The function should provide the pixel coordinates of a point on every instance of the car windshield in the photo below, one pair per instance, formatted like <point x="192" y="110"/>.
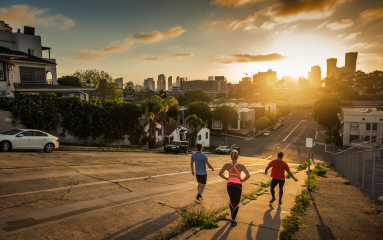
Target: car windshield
<point x="12" y="132"/>
<point x="222" y="147"/>
<point x="175" y="143"/>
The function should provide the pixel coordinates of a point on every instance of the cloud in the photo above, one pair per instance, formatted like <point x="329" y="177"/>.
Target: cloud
<point x="156" y="36"/>
<point x="174" y="47"/>
<point x="89" y="56"/>
<point x="247" y="58"/>
<point x="372" y="14"/>
<point x="363" y="45"/>
<point x="340" y="35"/>
<point x="268" y="25"/>
<point x="322" y="25"/>
<point x="344" y="23"/>
<point x="233" y="3"/>
<point x="127" y="44"/>
<point x="380" y="36"/>
<point x="352" y="36"/>
<point x="181" y="55"/>
<point x="24" y="15"/>
<point x="158" y="58"/>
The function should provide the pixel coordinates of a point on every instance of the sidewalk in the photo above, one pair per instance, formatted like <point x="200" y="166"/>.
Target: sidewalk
<point x="257" y="219"/>
<point x="341" y="211"/>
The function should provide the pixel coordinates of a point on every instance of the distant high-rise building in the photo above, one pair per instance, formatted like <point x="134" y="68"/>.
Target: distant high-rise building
<point x="178" y="80"/>
<point x="119" y="82"/>
<point x="170" y="82"/>
<point x="149" y="84"/>
<point x="265" y="78"/>
<point x="315" y="76"/>
<point x="210" y="78"/>
<point x="350" y="64"/>
<point x="161" y="82"/>
<point x="246" y="80"/>
<point x="331" y="67"/>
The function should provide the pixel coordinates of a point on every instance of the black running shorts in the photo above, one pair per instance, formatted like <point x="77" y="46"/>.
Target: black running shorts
<point x="201" y="178"/>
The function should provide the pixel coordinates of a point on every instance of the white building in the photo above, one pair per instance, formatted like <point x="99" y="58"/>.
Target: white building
<point x="174" y="132"/>
<point x="24" y="69"/>
<point x="359" y="124"/>
<point x="203" y="137"/>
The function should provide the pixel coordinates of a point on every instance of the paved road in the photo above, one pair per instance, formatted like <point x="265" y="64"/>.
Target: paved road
<point x="100" y="195"/>
<point x="290" y="138"/>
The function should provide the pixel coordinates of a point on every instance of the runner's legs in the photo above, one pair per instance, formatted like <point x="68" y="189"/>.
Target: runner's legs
<point x="234" y="191"/>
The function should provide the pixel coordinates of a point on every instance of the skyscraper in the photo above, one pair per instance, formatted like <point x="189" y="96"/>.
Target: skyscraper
<point x="331" y="67"/>
<point x="315" y="76"/>
<point x="178" y="80"/>
<point x="170" y="82"/>
<point x="265" y="78"/>
<point x="149" y="84"/>
<point x="161" y="82"/>
<point x="351" y="62"/>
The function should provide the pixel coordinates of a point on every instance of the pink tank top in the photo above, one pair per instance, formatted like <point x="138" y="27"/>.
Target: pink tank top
<point x="234" y="177"/>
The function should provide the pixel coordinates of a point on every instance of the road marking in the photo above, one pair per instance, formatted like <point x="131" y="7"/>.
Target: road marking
<point x="268" y="157"/>
<point x="104" y="182"/>
<point x="291" y="132"/>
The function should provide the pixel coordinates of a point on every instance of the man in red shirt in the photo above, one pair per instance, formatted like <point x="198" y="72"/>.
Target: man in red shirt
<point x="278" y="175"/>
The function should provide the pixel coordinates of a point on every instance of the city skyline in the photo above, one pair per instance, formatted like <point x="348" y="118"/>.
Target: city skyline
<point x="203" y="38"/>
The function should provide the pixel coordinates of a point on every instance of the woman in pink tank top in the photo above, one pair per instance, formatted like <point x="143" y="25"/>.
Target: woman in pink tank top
<point x="234" y="183"/>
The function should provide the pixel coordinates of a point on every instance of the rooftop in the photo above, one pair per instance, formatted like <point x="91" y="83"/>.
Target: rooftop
<point x="364" y="111"/>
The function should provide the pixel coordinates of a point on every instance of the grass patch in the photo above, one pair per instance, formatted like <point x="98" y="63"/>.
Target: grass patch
<point x="197" y="216"/>
<point x="287" y="176"/>
<point x="313" y="181"/>
<point x="265" y="184"/>
<point x="303" y="166"/>
<point x="293" y="222"/>
<point x="330" y="166"/>
<point x="319" y="171"/>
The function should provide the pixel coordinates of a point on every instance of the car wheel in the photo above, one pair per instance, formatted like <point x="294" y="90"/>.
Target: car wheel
<point x="176" y="151"/>
<point x="187" y="152"/>
<point x="166" y="151"/>
<point x="48" y="148"/>
<point x="5" y="146"/>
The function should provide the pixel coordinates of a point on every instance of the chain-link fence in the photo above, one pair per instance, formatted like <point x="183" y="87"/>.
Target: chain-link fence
<point x="363" y="167"/>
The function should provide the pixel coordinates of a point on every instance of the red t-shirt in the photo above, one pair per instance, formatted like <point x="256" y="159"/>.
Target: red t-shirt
<point x="279" y="168"/>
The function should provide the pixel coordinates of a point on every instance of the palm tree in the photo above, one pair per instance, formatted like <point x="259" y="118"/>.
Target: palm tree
<point x="195" y="124"/>
<point x="155" y="109"/>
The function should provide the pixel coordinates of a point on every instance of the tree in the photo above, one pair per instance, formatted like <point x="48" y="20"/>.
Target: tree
<point x="326" y="109"/>
<point x="200" y="109"/>
<point x="193" y="95"/>
<point x="303" y="83"/>
<point x="155" y="109"/>
<point x="195" y="124"/>
<point x="162" y="94"/>
<point x="262" y="123"/>
<point x="106" y="88"/>
<point x="227" y="114"/>
<point x="69" y="81"/>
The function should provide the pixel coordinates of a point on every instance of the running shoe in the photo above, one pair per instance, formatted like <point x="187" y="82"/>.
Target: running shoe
<point x="233" y="223"/>
<point x="200" y="198"/>
<point x="272" y="200"/>
<point x="197" y="200"/>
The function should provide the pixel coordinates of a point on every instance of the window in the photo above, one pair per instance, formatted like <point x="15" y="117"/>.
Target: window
<point x="28" y="134"/>
<point x="354" y="126"/>
<point x="31" y="51"/>
<point x="32" y="75"/>
<point x="2" y="71"/>
<point x="373" y="139"/>
<point x="199" y="137"/>
<point x="159" y="132"/>
<point x="374" y="126"/>
<point x="368" y="126"/>
<point x="207" y="135"/>
<point x="40" y="134"/>
<point x="367" y="138"/>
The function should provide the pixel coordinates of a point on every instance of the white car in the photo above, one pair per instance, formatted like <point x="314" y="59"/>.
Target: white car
<point x="266" y="133"/>
<point x="28" y="139"/>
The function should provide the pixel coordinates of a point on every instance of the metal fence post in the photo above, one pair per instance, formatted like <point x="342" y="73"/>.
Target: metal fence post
<point x="373" y="174"/>
<point x="357" y="165"/>
<point x="351" y="169"/>
<point x="364" y="164"/>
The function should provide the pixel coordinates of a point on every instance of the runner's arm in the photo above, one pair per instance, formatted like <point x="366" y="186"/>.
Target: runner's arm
<point x="247" y="174"/>
<point x="192" y="166"/>
<point x="292" y="176"/>
<point x="267" y="169"/>
<point x="223" y="169"/>
<point x="208" y="164"/>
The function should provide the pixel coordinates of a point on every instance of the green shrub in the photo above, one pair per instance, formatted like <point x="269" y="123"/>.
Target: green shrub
<point x="313" y="181"/>
<point x="319" y="171"/>
<point x="303" y="166"/>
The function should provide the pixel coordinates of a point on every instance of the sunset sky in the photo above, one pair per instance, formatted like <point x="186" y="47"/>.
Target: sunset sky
<point x="200" y="38"/>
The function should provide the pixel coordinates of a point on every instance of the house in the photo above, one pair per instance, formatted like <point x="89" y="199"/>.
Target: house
<point x="24" y="69"/>
<point x="159" y="137"/>
<point x="176" y="132"/>
<point x="203" y="137"/>
<point x="360" y="125"/>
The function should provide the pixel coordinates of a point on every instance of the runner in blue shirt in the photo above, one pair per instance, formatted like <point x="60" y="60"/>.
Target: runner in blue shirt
<point x="200" y="160"/>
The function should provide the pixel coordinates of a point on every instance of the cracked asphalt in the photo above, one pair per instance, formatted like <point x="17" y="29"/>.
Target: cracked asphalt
<point x="121" y="195"/>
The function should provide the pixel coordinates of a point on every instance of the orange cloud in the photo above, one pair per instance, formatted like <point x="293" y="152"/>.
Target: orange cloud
<point x="247" y="58"/>
<point x="233" y="3"/>
<point x="114" y="48"/>
<point x="181" y="55"/>
<point x="156" y="36"/>
<point x="373" y="14"/>
<point x="24" y="15"/>
<point x="89" y="56"/>
<point x="352" y="36"/>
<point x="363" y="45"/>
<point x="158" y="58"/>
<point x="344" y="23"/>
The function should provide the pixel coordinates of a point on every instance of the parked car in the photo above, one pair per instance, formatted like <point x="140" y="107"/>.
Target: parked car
<point x="217" y="134"/>
<point x="266" y="133"/>
<point x="235" y="148"/>
<point x="222" y="150"/>
<point x="31" y="139"/>
<point x="177" y="147"/>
